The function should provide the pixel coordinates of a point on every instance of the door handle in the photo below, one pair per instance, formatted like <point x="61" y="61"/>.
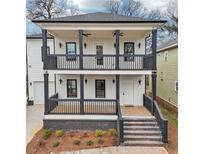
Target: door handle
<point x="123" y="93"/>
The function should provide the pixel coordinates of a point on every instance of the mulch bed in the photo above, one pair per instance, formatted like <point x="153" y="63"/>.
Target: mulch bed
<point x="38" y="145"/>
<point x="172" y="146"/>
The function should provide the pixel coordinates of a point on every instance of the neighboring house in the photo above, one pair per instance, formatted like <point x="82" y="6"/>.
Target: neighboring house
<point x="100" y="64"/>
<point x="167" y="72"/>
<point x="35" y="68"/>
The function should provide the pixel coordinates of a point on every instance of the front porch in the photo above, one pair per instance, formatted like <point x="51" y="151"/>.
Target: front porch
<point x="95" y="106"/>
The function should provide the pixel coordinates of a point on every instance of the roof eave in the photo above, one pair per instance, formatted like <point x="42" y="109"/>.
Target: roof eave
<point x="57" y="21"/>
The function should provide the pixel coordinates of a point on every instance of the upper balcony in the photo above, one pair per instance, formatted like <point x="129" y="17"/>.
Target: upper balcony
<point x="99" y="41"/>
<point x="99" y="50"/>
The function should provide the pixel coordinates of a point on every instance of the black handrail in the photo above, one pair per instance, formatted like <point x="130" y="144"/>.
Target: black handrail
<point x="163" y="123"/>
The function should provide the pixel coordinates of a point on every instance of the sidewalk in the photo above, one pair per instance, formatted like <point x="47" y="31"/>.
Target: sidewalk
<point x="121" y="150"/>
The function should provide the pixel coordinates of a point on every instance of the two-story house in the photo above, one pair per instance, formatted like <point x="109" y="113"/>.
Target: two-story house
<point x="100" y="64"/>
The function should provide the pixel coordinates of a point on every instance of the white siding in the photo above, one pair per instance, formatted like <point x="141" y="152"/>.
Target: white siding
<point x="110" y="87"/>
<point x="108" y="44"/>
<point x="35" y="64"/>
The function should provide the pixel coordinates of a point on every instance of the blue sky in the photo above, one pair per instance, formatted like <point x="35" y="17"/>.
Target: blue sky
<point x="88" y="6"/>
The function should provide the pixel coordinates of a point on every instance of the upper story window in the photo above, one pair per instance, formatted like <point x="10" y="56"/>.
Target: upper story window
<point x="176" y="86"/>
<point x="72" y="88"/>
<point x="71" y="50"/>
<point x="129" y="49"/>
<point x="100" y="88"/>
<point x="166" y="56"/>
<point x="48" y="52"/>
<point x="99" y="53"/>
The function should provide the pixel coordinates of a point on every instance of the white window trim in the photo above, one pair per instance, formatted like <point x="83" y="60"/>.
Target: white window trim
<point x="165" y="55"/>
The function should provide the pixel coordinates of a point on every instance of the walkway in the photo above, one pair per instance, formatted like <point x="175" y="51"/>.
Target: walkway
<point x="121" y="150"/>
<point x="34" y="120"/>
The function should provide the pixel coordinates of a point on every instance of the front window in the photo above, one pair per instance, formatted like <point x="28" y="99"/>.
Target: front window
<point x="71" y="50"/>
<point x="100" y="88"/>
<point x="72" y="88"/>
<point x="129" y="51"/>
<point x="99" y="53"/>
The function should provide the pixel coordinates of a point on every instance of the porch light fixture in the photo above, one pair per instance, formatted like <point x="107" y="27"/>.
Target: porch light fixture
<point x="60" y="80"/>
<point x="60" y="44"/>
<point x="139" y="45"/>
<point x="86" y="81"/>
<point x="139" y="81"/>
<point x="115" y="45"/>
<point x="113" y="81"/>
<point x="85" y="45"/>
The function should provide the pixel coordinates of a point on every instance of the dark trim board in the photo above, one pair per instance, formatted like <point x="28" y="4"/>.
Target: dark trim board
<point x="63" y="21"/>
<point x="79" y="124"/>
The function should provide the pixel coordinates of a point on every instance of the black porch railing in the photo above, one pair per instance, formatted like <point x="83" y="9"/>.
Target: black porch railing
<point x="97" y="62"/>
<point x="163" y="123"/>
<point x="89" y="106"/>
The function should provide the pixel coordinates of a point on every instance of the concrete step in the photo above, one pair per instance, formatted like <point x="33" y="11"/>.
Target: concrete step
<point x="142" y="132"/>
<point x="138" y="118"/>
<point x="143" y="138"/>
<point x="140" y="123"/>
<point x="141" y="128"/>
<point x="143" y="143"/>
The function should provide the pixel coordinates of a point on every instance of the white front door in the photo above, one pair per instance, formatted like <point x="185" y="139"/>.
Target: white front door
<point x="127" y="92"/>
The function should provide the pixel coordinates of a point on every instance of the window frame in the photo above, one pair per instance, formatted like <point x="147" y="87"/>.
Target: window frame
<point x="72" y="88"/>
<point x="96" y="96"/>
<point x="166" y="55"/>
<point x="70" y="56"/>
<point x="176" y="86"/>
<point x="99" y="57"/>
<point x="126" y="55"/>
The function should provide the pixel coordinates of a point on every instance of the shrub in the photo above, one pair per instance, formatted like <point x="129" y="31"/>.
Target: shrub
<point x="88" y="142"/>
<point x="112" y="131"/>
<point x="55" y="144"/>
<point x="59" y="132"/>
<point x="100" y="141"/>
<point x="46" y="134"/>
<point x="76" y="142"/>
<point x="99" y="133"/>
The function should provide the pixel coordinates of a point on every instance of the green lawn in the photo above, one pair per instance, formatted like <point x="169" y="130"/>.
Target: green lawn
<point x="170" y="116"/>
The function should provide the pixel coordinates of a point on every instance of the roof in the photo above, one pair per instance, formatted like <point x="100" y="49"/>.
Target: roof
<point x="38" y="36"/>
<point x="168" y="44"/>
<point x="99" y="17"/>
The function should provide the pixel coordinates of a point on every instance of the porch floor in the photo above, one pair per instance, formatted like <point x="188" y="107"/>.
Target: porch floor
<point x="135" y="111"/>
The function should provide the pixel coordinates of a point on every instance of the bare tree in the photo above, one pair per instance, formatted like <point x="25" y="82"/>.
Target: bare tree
<point x="113" y="6"/>
<point x="74" y="10"/>
<point x="172" y="16"/>
<point x="133" y="8"/>
<point x="45" y="9"/>
<point x="155" y="14"/>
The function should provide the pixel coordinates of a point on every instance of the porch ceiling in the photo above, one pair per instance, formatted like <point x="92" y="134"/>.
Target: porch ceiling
<point x="99" y="33"/>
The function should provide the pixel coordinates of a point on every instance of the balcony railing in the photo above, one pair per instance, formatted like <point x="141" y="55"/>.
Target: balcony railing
<point x="89" y="106"/>
<point x="97" y="62"/>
